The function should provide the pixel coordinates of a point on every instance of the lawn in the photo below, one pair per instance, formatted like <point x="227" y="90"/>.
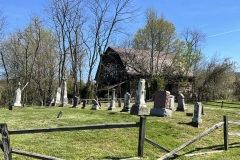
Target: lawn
<point x="119" y="143"/>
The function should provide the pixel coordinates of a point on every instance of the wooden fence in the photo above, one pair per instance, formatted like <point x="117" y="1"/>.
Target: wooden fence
<point x="226" y="133"/>
<point x="210" y="130"/>
<point x="7" y="150"/>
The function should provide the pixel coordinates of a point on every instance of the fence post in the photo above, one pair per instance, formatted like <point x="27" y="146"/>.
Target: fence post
<point x="141" y="137"/>
<point x="7" y="151"/>
<point x="225" y="130"/>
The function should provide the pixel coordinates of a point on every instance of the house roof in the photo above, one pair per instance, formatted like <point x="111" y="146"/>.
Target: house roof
<point x="138" y="62"/>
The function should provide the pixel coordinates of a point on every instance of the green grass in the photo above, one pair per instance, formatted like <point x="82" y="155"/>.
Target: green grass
<point x="119" y="143"/>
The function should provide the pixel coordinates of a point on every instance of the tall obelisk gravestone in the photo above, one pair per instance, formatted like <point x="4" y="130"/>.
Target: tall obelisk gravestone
<point x="140" y="108"/>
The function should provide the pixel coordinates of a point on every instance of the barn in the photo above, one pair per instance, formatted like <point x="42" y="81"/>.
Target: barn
<point x="121" y="69"/>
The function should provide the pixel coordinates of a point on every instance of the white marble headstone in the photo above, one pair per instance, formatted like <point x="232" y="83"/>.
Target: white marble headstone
<point x="140" y="108"/>
<point x="58" y="96"/>
<point x="65" y="98"/>
<point x="17" y="98"/>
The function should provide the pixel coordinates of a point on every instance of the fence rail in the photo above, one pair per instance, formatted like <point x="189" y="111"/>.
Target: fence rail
<point x="7" y="150"/>
<point x="210" y="130"/>
<point x="34" y="155"/>
<point x="226" y="133"/>
<point x="213" y="128"/>
<point x="61" y="129"/>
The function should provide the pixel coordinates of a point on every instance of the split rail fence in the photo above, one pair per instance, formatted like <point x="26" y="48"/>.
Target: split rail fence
<point x="210" y="130"/>
<point x="7" y="150"/>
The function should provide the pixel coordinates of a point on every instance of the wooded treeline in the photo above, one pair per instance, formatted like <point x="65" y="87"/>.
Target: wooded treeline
<point x="70" y="40"/>
<point x="214" y="77"/>
<point x="66" y="44"/>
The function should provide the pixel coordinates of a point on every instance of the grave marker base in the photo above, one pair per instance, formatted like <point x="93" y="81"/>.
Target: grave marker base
<point x="139" y="109"/>
<point x="126" y="109"/>
<point x="161" y="112"/>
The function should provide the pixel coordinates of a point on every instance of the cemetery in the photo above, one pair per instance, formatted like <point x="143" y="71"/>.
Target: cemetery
<point x="85" y="81"/>
<point x="165" y="132"/>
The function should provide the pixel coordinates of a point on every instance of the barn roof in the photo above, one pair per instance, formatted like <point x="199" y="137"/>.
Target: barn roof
<point x="138" y="62"/>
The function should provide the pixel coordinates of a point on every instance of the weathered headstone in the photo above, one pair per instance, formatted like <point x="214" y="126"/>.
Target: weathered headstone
<point x="60" y="114"/>
<point x="17" y="98"/>
<point x="197" y="115"/>
<point x="112" y="103"/>
<point x="75" y="102"/>
<point x="139" y="107"/>
<point x="65" y="98"/>
<point x="52" y="102"/>
<point x="58" y="96"/>
<point x="126" y="106"/>
<point x="95" y="105"/>
<point x="84" y="104"/>
<point x="171" y="105"/>
<point x="161" y="104"/>
<point x="181" y="103"/>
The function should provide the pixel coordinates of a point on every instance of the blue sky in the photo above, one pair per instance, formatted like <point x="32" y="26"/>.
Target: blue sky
<point x="218" y="19"/>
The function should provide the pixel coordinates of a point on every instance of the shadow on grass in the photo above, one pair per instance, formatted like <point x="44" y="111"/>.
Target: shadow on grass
<point x="212" y="148"/>
<point x="112" y="113"/>
<point x="215" y="147"/>
<point x="188" y="123"/>
<point x="118" y="158"/>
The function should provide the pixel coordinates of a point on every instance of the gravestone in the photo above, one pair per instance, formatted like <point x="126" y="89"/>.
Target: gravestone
<point x="161" y="104"/>
<point x="181" y="102"/>
<point x="127" y="98"/>
<point x="17" y="98"/>
<point x="112" y="103"/>
<point x="75" y="102"/>
<point x="52" y="102"/>
<point x="84" y="104"/>
<point x="139" y="107"/>
<point x="58" y="96"/>
<point x="197" y="115"/>
<point x="59" y="114"/>
<point x="171" y="105"/>
<point x="95" y="105"/>
<point x="65" y="98"/>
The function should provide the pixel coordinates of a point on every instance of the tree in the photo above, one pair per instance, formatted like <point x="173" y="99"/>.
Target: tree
<point x="157" y="84"/>
<point x="107" y="19"/>
<point x="68" y="18"/>
<point x="215" y="78"/>
<point x="86" y="27"/>
<point x="191" y="54"/>
<point x="3" y="62"/>
<point x="45" y="68"/>
<point x="158" y="36"/>
<point x="30" y="56"/>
